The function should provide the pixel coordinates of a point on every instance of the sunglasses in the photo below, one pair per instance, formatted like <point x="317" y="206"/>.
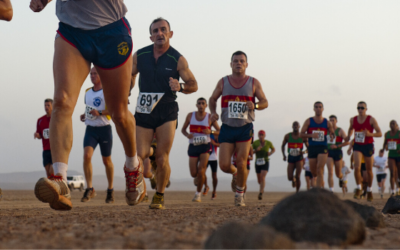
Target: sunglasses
<point x="362" y="108"/>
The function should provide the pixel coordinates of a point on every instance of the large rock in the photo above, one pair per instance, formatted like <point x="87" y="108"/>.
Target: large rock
<point x="317" y="216"/>
<point x="392" y="205"/>
<point x="239" y="235"/>
<point x="371" y="216"/>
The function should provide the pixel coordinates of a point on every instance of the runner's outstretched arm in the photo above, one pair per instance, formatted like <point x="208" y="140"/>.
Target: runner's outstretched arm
<point x="6" y="10"/>
<point x="135" y="71"/>
<point x="213" y="100"/>
<point x="185" y="125"/>
<point x="285" y="141"/>
<point x="259" y="93"/>
<point x="350" y="132"/>
<point x="375" y="125"/>
<point x="187" y="76"/>
<point x="37" y="5"/>
<point x="385" y="144"/>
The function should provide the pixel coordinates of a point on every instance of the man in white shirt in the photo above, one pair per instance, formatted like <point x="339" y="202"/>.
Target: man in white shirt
<point x="345" y="172"/>
<point x="381" y="164"/>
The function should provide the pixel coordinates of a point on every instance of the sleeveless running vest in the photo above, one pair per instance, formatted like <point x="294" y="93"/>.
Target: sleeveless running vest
<point x="154" y="76"/>
<point x="337" y="140"/>
<point x="95" y="100"/>
<point x="295" y="147"/>
<point x="359" y="137"/>
<point x="393" y="143"/>
<point x="196" y="127"/>
<point x="321" y="129"/>
<point x="232" y="102"/>
<point x="214" y="150"/>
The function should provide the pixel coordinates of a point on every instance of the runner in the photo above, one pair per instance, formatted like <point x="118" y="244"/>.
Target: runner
<point x="381" y="164"/>
<point x="392" y="143"/>
<point x="90" y="31"/>
<point x="345" y="172"/>
<point x="238" y="93"/>
<point x="249" y="158"/>
<point x="42" y="133"/>
<point x="98" y="132"/>
<point x="199" y="143"/>
<point x="295" y="151"/>
<point x="213" y="163"/>
<point x="335" y="153"/>
<point x="364" y="174"/>
<point x="160" y="67"/>
<point x="308" y="175"/>
<point x="316" y="129"/>
<point x="363" y="125"/>
<point x="6" y="10"/>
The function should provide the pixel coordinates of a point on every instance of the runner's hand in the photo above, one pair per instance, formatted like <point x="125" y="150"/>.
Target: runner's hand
<point x="174" y="84"/>
<point x="259" y="148"/>
<point x="36" y="136"/>
<point x="347" y="138"/>
<point x="206" y="131"/>
<point x="190" y="136"/>
<point x="36" y="5"/>
<point x="250" y="105"/>
<point x="367" y="133"/>
<point x="315" y="135"/>
<point x="284" y="158"/>
<point x="332" y="136"/>
<point x="349" y="151"/>
<point x="333" y="146"/>
<point x="94" y="112"/>
<point x="214" y="117"/>
<point x="83" y="117"/>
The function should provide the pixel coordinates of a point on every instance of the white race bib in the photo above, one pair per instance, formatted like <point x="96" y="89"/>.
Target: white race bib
<point x="359" y="137"/>
<point x="237" y="110"/>
<point x="321" y="135"/>
<point x="333" y="141"/>
<point x="146" y="102"/>
<point x="392" y="145"/>
<point x="46" y="133"/>
<point x="88" y="115"/>
<point x="199" y="140"/>
<point x="294" y="151"/>
<point x="260" y="161"/>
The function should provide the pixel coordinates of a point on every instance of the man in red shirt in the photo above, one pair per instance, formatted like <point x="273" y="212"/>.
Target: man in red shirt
<point x="43" y="132"/>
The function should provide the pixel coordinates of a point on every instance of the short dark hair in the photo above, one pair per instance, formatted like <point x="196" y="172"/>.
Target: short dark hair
<point x="202" y="99"/>
<point x="333" y="116"/>
<point x="381" y="151"/>
<point x="159" y="19"/>
<point x="318" y="102"/>
<point x="237" y="53"/>
<point x="362" y="102"/>
<point x="48" y="100"/>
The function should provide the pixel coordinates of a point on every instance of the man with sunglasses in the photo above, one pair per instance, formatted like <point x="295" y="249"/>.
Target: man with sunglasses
<point x="363" y="125"/>
<point x="316" y="130"/>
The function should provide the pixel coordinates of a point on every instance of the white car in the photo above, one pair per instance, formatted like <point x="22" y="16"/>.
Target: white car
<point x="76" y="182"/>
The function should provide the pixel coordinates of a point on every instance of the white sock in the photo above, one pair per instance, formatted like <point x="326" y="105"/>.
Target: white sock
<point x="132" y="163"/>
<point x="379" y="189"/>
<point x="198" y="193"/>
<point x="60" y="168"/>
<point x="331" y="188"/>
<point x="397" y="190"/>
<point x="369" y="189"/>
<point x="359" y="187"/>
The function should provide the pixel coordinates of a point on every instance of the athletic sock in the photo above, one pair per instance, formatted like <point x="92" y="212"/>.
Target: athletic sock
<point x="132" y="163"/>
<point x="198" y="193"/>
<point x="359" y="187"/>
<point x="369" y="189"/>
<point x="161" y="194"/>
<point x="379" y="189"/>
<point x="60" y="168"/>
<point x="239" y="191"/>
<point x="331" y="189"/>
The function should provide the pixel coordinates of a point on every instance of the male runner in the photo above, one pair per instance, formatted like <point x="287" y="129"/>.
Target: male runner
<point x="345" y="172"/>
<point x="90" y="31"/>
<point x="392" y="143"/>
<point x="364" y="174"/>
<point x="98" y="132"/>
<point x="42" y="133"/>
<point x="238" y="93"/>
<point x="381" y="165"/>
<point x="213" y="163"/>
<point x="295" y="151"/>
<point x="6" y="10"/>
<point x="316" y="129"/>
<point x="335" y="153"/>
<point x="160" y="67"/>
<point x="199" y="143"/>
<point x="364" y="126"/>
<point x="263" y="150"/>
<point x="308" y="175"/>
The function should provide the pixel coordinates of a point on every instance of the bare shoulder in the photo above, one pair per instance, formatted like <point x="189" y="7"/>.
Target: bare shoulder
<point x="182" y="63"/>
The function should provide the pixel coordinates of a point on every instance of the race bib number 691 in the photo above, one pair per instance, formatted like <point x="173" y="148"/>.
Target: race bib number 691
<point x="147" y="102"/>
<point x="237" y="110"/>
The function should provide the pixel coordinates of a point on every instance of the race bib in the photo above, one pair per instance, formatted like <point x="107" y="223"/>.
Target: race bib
<point x="88" y="115"/>
<point x="294" y="151"/>
<point x="147" y="102"/>
<point x="260" y="161"/>
<point x="321" y="135"/>
<point x="392" y="145"/>
<point x="199" y="140"/>
<point x="237" y="110"/>
<point x="333" y="141"/>
<point x="46" y="133"/>
<point x="359" y="137"/>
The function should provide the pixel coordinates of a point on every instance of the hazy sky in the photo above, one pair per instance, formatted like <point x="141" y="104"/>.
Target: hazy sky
<point x="338" y="52"/>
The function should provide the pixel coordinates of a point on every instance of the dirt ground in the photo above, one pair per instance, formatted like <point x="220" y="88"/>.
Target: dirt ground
<point x="28" y="223"/>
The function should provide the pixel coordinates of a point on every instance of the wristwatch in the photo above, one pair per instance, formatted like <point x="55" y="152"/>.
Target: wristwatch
<point x="100" y="112"/>
<point x="182" y="87"/>
<point x="256" y="105"/>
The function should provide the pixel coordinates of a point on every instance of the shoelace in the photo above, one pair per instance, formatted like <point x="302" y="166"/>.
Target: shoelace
<point x="131" y="179"/>
<point x="55" y="177"/>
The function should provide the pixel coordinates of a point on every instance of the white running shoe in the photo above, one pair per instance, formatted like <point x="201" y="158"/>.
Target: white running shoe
<point x="135" y="189"/>
<point x="239" y="201"/>
<point x="197" y="198"/>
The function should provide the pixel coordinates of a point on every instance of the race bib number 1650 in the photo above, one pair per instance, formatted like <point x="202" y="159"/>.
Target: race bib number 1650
<point x="237" y="110"/>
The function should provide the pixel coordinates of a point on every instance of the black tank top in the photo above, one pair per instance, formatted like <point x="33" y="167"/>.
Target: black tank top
<point x="154" y="76"/>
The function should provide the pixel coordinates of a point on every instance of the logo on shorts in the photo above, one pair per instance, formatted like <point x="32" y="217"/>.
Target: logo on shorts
<point x="97" y="101"/>
<point x="123" y="48"/>
<point x="325" y="151"/>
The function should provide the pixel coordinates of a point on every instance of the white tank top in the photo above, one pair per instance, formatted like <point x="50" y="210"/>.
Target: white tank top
<point x="95" y="100"/>
<point x="196" y="127"/>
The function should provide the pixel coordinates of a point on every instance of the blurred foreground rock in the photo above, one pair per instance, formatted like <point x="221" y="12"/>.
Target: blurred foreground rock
<point x="392" y="205"/>
<point x="371" y="216"/>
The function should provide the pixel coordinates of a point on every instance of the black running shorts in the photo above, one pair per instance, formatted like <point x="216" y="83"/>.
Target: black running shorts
<point x="213" y="165"/>
<point x="162" y="113"/>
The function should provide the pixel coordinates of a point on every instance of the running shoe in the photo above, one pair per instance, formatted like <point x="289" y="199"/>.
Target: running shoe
<point x="205" y="191"/>
<point x="197" y="198"/>
<point x="392" y="195"/>
<point x="213" y="196"/>
<point x="260" y="196"/>
<point x="364" y="194"/>
<point x="135" y="186"/>
<point x="239" y="201"/>
<point x="146" y="198"/>
<point x="89" y="194"/>
<point x="54" y="190"/>
<point x="357" y="194"/>
<point x="294" y="182"/>
<point x="233" y="183"/>
<point x="381" y="196"/>
<point x="369" y="196"/>
<point x="110" y="196"/>
<point x="157" y="202"/>
<point x="153" y="182"/>
<point x="340" y="183"/>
